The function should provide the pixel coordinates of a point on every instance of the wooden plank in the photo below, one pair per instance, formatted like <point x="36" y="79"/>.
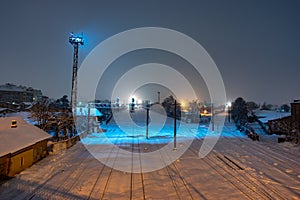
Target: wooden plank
<point x="60" y="184"/>
<point x="84" y="185"/>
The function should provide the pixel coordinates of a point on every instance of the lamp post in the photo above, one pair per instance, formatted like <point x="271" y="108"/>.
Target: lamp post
<point x="158" y="97"/>
<point x="228" y="105"/>
<point x="75" y="41"/>
<point x="212" y="117"/>
<point x="175" y="125"/>
<point x="147" y="122"/>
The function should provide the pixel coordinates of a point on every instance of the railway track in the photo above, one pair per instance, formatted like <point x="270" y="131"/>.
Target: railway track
<point x="248" y="184"/>
<point x="268" y="157"/>
<point x="65" y="179"/>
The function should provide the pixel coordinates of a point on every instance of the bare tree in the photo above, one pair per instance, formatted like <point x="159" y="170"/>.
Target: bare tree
<point x="65" y="123"/>
<point x="54" y="117"/>
<point x="42" y="114"/>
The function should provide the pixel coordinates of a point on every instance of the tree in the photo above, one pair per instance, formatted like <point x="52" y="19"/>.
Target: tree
<point x="169" y="104"/>
<point x="63" y="102"/>
<point x="65" y="123"/>
<point x="251" y="105"/>
<point x="55" y="117"/>
<point x="42" y="114"/>
<point x="239" y="111"/>
<point x="285" y="108"/>
<point x="266" y="106"/>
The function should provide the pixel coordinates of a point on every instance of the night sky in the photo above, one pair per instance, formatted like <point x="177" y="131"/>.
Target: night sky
<point x="255" y="44"/>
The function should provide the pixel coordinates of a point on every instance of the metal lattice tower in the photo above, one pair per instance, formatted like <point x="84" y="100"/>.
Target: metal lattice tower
<point x="75" y="41"/>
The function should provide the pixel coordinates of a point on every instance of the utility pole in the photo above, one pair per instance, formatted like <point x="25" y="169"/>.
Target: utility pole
<point x="229" y="114"/>
<point x="212" y="117"/>
<point x="158" y="97"/>
<point x="147" y="122"/>
<point x="88" y="118"/>
<point x="175" y="124"/>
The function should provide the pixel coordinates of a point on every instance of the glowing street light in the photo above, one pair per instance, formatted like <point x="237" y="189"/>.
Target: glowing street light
<point x="228" y="108"/>
<point x="228" y="105"/>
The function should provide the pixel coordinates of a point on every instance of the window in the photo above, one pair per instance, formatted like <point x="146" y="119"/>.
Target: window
<point x="22" y="162"/>
<point x="34" y="154"/>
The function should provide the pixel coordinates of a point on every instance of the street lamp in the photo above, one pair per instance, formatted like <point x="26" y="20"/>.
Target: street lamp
<point x="158" y="97"/>
<point x="228" y="107"/>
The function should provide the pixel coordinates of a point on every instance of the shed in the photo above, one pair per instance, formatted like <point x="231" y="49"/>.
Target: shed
<point x="21" y="146"/>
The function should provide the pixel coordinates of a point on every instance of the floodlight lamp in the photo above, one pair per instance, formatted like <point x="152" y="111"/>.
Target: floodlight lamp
<point x="74" y="39"/>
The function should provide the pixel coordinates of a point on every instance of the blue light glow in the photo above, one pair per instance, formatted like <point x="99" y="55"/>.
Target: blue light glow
<point x="114" y="135"/>
<point x="74" y="39"/>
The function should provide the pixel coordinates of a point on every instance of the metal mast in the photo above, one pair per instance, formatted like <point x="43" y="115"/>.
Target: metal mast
<point x="75" y="41"/>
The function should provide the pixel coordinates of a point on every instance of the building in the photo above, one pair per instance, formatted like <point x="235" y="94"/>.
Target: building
<point x="4" y="111"/>
<point x="18" y="94"/>
<point x="287" y="125"/>
<point x="22" y="145"/>
<point x="295" y="111"/>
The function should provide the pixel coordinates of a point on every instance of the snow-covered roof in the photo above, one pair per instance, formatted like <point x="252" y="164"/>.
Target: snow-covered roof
<point x="24" y="135"/>
<point x="6" y="110"/>
<point x="266" y="115"/>
<point x="83" y="111"/>
<point x="3" y="109"/>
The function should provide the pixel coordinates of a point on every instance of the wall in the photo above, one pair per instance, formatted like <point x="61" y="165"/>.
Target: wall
<point x="4" y="166"/>
<point x="61" y="145"/>
<point x="20" y="161"/>
<point x="295" y="111"/>
<point x="14" y="163"/>
<point x="39" y="150"/>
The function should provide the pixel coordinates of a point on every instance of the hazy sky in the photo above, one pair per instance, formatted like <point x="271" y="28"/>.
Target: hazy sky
<point x="255" y="44"/>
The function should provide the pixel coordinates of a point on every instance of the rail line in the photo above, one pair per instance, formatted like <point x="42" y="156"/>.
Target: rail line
<point x="254" y="185"/>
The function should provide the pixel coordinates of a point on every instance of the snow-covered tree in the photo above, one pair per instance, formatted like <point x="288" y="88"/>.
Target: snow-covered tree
<point x="251" y="105"/>
<point x="169" y="104"/>
<point x="42" y="113"/>
<point x="239" y="111"/>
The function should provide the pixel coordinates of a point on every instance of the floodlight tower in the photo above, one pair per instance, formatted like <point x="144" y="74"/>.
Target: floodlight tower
<point x="75" y="40"/>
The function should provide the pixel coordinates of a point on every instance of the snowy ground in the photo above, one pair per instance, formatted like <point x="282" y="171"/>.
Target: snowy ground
<point x="266" y="115"/>
<point x="237" y="168"/>
<point x="25" y="115"/>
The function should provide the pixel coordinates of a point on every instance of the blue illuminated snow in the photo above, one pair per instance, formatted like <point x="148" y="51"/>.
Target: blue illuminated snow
<point x="115" y="135"/>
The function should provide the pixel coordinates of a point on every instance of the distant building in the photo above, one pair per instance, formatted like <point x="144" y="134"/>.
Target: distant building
<point x="18" y="94"/>
<point x="295" y="111"/>
<point x="288" y="125"/>
<point x="22" y="145"/>
<point x="4" y="111"/>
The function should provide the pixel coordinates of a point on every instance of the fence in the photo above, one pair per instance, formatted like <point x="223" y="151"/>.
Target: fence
<point x="65" y="144"/>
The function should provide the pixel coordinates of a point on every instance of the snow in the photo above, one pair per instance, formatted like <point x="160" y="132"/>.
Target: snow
<point x="14" y="139"/>
<point x="266" y="115"/>
<point x="116" y="135"/>
<point x="237" y="168"/>
<point x="26" y="116"/>
<point x="3" y="109"/>
<point x="6" y="110"/>
<point x="83" y="111"/>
